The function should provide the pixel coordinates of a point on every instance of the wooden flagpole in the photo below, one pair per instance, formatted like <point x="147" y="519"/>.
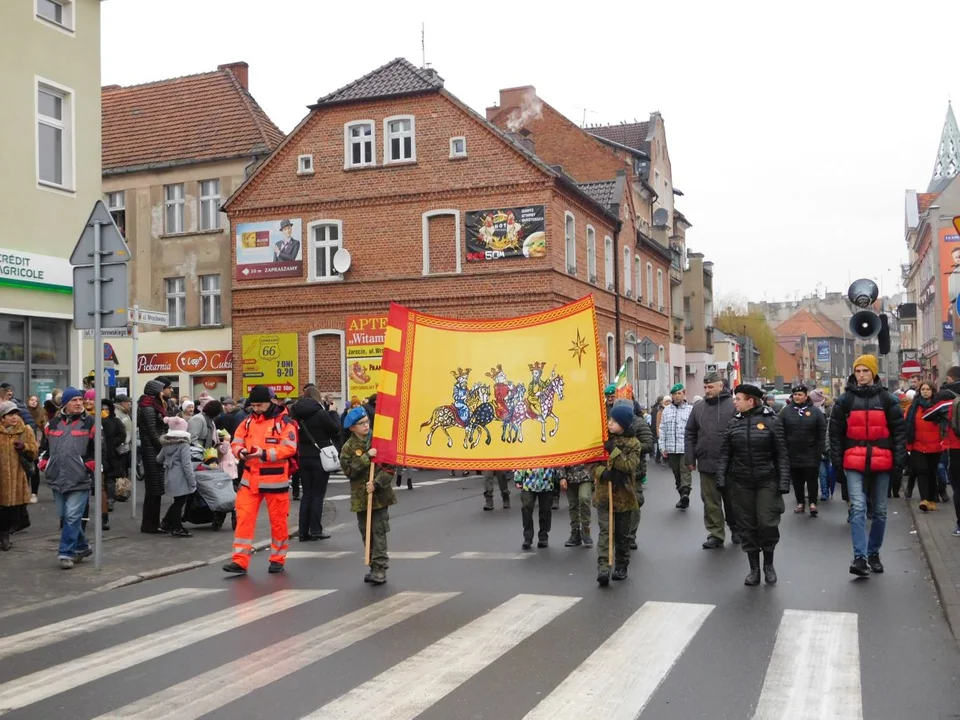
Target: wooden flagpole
<point x="370" y="516"/>
<point x="610" y="520"/>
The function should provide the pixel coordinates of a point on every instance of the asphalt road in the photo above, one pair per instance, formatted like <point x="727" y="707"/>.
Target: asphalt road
<point x="503" y="636"/>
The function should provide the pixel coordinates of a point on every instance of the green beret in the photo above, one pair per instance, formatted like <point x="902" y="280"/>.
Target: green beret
<point x="676" y="388"/>
<point x="610" y="389"/>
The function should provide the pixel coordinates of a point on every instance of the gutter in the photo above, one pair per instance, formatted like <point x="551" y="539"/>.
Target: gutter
<point x="615" y="209"/>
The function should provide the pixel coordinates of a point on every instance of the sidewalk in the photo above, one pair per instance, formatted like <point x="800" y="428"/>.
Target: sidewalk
<point x="942" y="552"/>
<point x="29" y="573"/>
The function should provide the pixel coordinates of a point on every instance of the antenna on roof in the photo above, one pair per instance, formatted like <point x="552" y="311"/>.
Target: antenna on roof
<point x="423" y="44"/>
<point x="585" y="111"/>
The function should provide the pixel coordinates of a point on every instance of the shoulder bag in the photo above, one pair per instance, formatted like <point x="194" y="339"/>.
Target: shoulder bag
<point x="329" y="457"/>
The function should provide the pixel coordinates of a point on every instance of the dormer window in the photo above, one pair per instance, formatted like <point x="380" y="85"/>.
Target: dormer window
<point x="359" y="140"/>
<point x="399" y="143"/>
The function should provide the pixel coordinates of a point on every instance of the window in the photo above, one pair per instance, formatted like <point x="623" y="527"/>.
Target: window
<point x="570" y="243"/>
<point x="54" y="136"/>
<point x="591" y="254"/>
<point x="359" y="140"/>
<point x="173" y="206"/>
<point x="627" y="279"/>
<point x="637" y="279"/>
<point x="58" y="12"/>
<point x="611" y="359"/>
<point x="176" y="301"/>
<point x="400" y="143"/>
<point x="326" y="238"/>
<point x="305" y="165"/>
<point x="649" y="284"/>
<point x="608" y="261"/>
<point x="458" y="147"/>
<point x="660" y="289"/>
<point x="116" y="204"/>
<point x="209" y="300"/>
<point x="209" y="204"/>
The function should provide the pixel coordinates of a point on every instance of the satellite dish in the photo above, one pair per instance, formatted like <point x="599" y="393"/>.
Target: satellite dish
<point x="660" y="217"/>
<point x="341" y="260"/>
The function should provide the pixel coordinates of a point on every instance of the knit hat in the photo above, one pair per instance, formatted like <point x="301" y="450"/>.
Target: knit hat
<point x="176" y="423"/>
<point x="622" y="415"/>
<point x="354" y="416"/>
<point x="90" y="395"/>
<point x="817" y="397"/>
<point x="868" y="361"/>
<point x="260" y="394"/>
<point x="610" y="389"/>
<point x="186" y="404"/>
<point x="69" y="394"/>
<point x="676" y="388"/>
<point x="7" y="407"/>
<point x="163" y="380"/>
<point x="152" y="388"/>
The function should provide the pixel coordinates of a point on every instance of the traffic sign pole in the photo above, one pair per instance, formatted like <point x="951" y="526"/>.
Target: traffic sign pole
<point x="98" y="394"/>
<point x="133" y="419"/>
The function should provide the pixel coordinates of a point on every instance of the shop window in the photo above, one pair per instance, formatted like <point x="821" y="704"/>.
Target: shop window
<point x="13" y="335"/>
<point x="48" y="342"/>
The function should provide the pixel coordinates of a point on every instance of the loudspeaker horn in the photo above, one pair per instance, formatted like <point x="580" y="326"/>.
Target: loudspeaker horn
<point x="865" y="324"/>
<point x="863" y="292"/>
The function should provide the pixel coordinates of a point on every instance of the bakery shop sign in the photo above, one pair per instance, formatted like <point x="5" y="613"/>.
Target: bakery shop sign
<point x="188" y="361"/>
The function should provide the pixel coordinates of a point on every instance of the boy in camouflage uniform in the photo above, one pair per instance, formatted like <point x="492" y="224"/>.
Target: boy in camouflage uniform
<point x="355" y="460"/>
<point x="577" y="481"/>
<point x="620" y="471"/>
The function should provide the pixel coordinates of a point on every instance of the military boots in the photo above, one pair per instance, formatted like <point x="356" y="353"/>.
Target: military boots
<point x="769" y="574"/>
<point x="603" y="576"/>
<point x="488" y="502"/>
<point x="506" y="500"/>
<point x="574" y="540"/>
<point x="620" y="572"/>
<point x="753" y="577"/>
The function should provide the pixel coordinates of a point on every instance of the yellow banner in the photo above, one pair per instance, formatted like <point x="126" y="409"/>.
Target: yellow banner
<point x="364" y="349"/>
<point x="270" y="360"/>
<point x="491" y="394"/>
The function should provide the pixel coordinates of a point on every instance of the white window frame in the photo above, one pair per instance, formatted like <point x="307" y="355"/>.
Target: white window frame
<point x="213" y="298"/>
<point x="116" y="202"/>
<point x="660" y="304"/>
<point x="611" y="358"/>
<point x="453" y="152"/>
<point x="570" y="242"/>
<point x="650" y="284"/>
<point x="348" y="144"/>
<point x="305" y="165"/>
<point x="179" y="298"/>
<point x="389" y="136"/>
<point x="313" y="245"/>
<point x="608" y="261"/>
<point x="637" y="279"/>
<point x="66" y="125"/>
<point x="68" y="25"/>
<point x="627" y="272"/>
<point x="207" y="200"/>
<point x="180" y="203"/>
<point x="591" y="254"/>
<point x="426" y="236"/>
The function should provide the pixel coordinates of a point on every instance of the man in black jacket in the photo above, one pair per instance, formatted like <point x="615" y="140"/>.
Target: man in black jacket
<point x="151" y="410"/>
<point x="705" y="428"/>
<point x="318" y="428"/>
<point x="805" y="432"/>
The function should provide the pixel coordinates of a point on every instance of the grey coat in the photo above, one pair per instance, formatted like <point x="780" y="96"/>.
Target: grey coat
<point x="174" y="456"/>
<point x="705" y="429"/>
<point x="67" y="446"/>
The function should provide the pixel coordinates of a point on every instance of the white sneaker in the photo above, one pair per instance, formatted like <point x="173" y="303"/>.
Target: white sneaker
<point x="33" y="499"/>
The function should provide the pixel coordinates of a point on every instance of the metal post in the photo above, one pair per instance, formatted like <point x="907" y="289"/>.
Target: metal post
<point x="133" y="417"/>
<point x="98" y="394"/>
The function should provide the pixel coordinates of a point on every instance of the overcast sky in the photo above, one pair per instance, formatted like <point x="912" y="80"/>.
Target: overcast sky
<point x="792" y="133"/>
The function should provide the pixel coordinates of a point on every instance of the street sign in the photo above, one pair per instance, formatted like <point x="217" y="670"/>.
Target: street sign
<point x="910" y="367"/>
<point x="110" y="377"/>
<point x="149" y="317"/>
<point x="108" y="333"/>
<point x="113" y="248"/>
<point x="113" y="296"/>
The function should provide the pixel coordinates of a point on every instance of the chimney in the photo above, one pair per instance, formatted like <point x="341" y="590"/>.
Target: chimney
<point x="492" y="111"/>
<point x="239" y="70"/>
<point x="513" y="97"/>
<point x="523" y="138"/>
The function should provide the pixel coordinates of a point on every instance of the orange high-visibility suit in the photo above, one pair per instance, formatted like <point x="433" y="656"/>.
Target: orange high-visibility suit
<point x="270" y="440"/>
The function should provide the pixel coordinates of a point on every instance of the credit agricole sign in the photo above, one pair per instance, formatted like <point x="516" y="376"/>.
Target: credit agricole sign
<point x="35" y="272"/>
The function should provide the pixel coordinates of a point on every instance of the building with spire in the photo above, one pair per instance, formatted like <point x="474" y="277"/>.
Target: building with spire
<point x="932" y="274"/>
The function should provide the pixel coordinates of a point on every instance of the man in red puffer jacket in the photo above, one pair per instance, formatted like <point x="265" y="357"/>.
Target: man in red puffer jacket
<point x="868" y="440"/>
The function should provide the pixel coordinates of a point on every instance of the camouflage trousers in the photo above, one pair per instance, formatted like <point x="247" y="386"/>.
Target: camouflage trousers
<point x="621" y="538"/>
<point x="379" y="527"/>
<point x="635" y="514"/>
<point x="502" y="481"/>
<point x="579" y="498"/>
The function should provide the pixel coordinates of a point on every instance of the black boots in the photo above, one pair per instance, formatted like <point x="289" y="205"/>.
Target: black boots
<point x="603" y="576"/>
<point x="769" y="574"/>
<point x="506" y="500"/>
<point x="488" y="502"/>
<point x="5" y="541"/>
<point x="620" y="572"/>
<point x="753" y="577"/>
<point x="574" y="540"/>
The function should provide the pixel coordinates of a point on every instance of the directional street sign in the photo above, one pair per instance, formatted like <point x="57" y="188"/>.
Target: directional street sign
<point x="108" y="333"/>
<point x="113" y="248"/>
<point x="149" y="317"/>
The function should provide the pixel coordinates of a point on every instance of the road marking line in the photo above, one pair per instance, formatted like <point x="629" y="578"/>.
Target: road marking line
<point x="814" y="672"/>
<point x="212" y="690"/>
<point x="410" y="687"/>
<point x="605" y="686"/>
<point x="412" y="554"/>
<point x="416" y="483"/>
<point x="322" y="554"/>
<point x="83" y="624"/>
<point x="54" y="680"/>
<point x="493" y="556"/>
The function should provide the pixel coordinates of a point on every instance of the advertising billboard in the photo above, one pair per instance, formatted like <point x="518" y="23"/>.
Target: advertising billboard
<point x="364" y="347"/>
<point x="269" y="249"/>
<point x="949" y="277"/>
<point x="271" y="360"/>
<point x="516" y="232"/>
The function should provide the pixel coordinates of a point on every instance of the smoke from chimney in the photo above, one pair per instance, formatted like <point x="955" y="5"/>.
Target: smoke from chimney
<point x="530" y="109"/>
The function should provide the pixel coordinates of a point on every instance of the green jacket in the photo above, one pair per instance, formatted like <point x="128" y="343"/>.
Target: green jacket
<point x="644" y="434"/>
<point x="356" y="466"/>
<point x="625" y="458"/>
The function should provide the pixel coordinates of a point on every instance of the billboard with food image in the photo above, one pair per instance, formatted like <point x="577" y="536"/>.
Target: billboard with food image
<point x="364" y="349"/>
<point x="516" y="232"/>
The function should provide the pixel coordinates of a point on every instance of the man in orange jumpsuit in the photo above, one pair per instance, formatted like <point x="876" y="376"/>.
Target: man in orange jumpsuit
<point x="267" y="442"/>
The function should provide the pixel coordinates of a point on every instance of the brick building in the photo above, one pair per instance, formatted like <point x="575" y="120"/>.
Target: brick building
<point x="396" y="170"/>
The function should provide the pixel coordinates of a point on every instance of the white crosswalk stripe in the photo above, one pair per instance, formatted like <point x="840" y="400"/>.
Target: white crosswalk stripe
<point x="409" y="688"/>
<point x="605" y="686"/>
<point x="212" y="690"/>
<point x="60" y="678"/>
<point x="416" y="483"/>
<point x="814" y="672"/>
<point x="83" y="624"/>
<point x="493" y="556"/>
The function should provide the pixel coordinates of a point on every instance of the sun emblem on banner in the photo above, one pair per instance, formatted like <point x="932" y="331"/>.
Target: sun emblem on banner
<point x="579" y="348"/>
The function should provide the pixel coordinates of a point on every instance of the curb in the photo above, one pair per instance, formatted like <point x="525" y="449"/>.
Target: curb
<point x="947" y="593"/>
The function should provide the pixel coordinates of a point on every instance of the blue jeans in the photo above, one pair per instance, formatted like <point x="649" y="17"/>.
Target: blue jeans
<point x="70" y="507"/>
<point x="862" y="545"/>
<point x="824" y="480"/>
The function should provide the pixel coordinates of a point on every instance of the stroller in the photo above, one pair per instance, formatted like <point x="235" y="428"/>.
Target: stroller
<point x="214" y="497"/>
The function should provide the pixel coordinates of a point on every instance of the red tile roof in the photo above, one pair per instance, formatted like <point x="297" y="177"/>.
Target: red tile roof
<point x="813" y="325"/>
<point x="196" y="118"/>
<point x="632" y="135"/>
<point x="925" y="200"/>
<point x="787" y="365"/>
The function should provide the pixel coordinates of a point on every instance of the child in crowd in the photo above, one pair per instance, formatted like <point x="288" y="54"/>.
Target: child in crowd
<point x="179" y="478"/>
<point x="535" y="486"/>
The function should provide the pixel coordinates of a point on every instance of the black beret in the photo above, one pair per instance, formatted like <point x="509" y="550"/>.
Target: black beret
<point x="749" y="391"/>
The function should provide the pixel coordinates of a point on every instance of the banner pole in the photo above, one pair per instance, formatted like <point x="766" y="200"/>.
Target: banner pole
<point x="610" y="532"/>
<point x="369" y="517"/>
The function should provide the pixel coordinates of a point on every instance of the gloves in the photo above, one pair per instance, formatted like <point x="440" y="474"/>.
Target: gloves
<point x="91" y="465"/>
<point x="19" y="446"/>
<point x="43" y="464"/>
<point x="608" y="445"/>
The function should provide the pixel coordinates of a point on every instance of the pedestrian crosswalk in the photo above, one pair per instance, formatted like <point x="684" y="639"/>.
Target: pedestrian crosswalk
<point x="813" y="672"/>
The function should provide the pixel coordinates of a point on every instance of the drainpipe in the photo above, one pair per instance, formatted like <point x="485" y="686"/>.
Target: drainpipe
<point x="618" y="187"/>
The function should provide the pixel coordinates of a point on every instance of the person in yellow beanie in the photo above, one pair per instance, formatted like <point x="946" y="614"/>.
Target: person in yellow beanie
<point x="868" y="443"/>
